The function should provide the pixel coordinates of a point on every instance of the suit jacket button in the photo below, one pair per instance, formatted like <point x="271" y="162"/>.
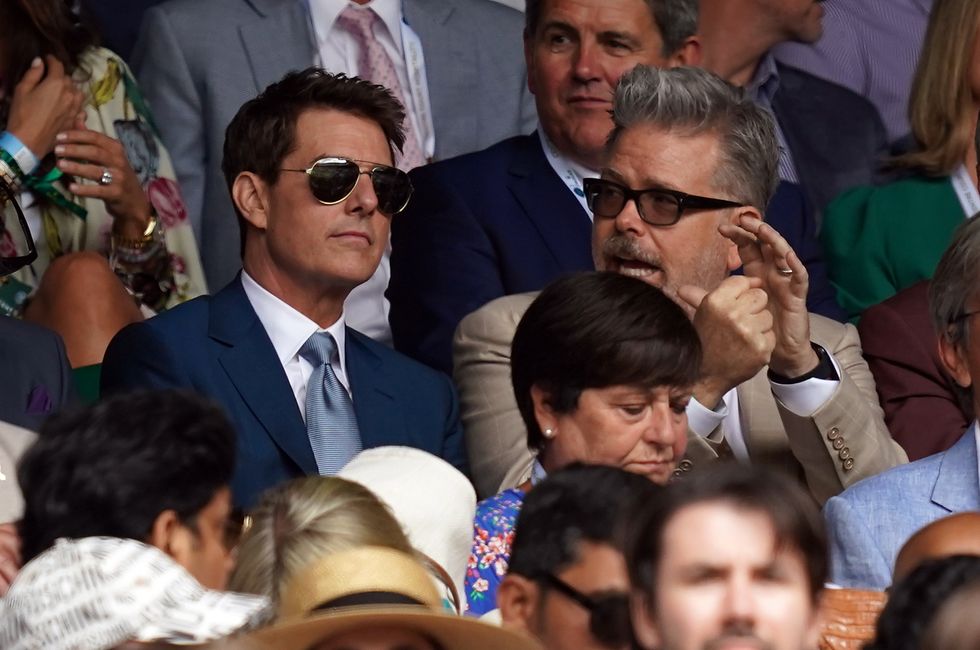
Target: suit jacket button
<point x="845" y="453"/>
<point x="838" y="443"/>
<point x="833" y="434"/>
<point x="848" y="464"/>
<point x="685" y="465"/>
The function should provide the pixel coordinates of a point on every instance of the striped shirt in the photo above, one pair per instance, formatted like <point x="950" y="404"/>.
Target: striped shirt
<point x="871" y="47"/>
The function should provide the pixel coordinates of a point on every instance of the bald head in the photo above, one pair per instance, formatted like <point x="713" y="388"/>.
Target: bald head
<point x="957" y="534"/>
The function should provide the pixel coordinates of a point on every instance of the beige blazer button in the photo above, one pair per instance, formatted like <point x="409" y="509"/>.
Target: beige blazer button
<point x="845" y="453"/>
<point x="838" y="443"/>
<point x="848" y="464"/>
<point x="685" y="465"/>
<point x="833" y="434"/>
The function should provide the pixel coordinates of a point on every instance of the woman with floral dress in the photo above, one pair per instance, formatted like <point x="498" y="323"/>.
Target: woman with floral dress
<point x="79" y="145"/>
<point x="602" y="367"/>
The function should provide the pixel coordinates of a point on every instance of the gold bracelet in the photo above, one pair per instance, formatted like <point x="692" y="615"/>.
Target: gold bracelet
<point x="145" y="239"/>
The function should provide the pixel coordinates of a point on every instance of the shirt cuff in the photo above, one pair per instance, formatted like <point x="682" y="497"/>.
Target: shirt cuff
<point x="702" y="420"/>
<point x="807" y="397"/>
<point x="24" y="157"/>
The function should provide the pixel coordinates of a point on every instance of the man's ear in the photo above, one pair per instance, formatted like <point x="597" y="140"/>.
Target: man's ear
<point x="954" y="358"/>
<point x="251" y="197"/>
<point x="517" y="600"/>
<point x="644" y="627"/>
<point x="171" y="536"/>
<point x="733" y="259"/>
<point x="689" y="53"/>
<point x="529" y="61"/>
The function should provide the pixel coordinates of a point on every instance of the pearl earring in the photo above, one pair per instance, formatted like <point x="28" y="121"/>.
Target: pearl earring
<point x="549" y="433"/>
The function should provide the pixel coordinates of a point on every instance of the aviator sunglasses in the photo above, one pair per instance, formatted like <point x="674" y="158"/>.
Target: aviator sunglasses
<point x="333" y="179"/>
<point x="609" y="613"/>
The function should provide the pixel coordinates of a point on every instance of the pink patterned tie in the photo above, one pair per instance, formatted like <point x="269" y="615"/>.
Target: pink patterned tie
<point x="375" y="64"/>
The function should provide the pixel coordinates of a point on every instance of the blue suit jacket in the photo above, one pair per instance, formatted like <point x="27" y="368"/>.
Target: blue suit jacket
<point x="217" y="346"/>
<point x="480" y="226"/>
<point x="35" y="378"/>
<point x="868" y="523"/>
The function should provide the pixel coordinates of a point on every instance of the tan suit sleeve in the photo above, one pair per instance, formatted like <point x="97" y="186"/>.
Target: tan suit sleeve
<point x="496" y="439"/>
<point x="846" y="439"/>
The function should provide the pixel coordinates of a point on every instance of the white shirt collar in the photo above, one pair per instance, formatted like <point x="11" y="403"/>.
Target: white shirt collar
<point x="326" y="12"/>
<point x="287" y="328"/>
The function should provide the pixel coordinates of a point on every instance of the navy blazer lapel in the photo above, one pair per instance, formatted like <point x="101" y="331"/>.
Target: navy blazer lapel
<point x="958" y="483"/>
<point x="374" y="397"/>
<point x="280" y="38"/>
<point x="548" y="203"/>
<point x="252" y="366"/>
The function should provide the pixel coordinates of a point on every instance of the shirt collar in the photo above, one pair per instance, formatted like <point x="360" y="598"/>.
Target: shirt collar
<point x="580" y="170"/>
<point x="326" y="12"/>
<point x="287" y="328"/>
<point x="765" y="82"/>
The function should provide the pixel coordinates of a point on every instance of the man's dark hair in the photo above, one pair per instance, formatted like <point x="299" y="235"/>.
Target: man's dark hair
<point x="593" y="330"/>
<point x="914" y="601"/>
<point x="677" y="20"/>
<point x="110" y="469"/>
<point x="579" y="503"/>
<point x="794" y="516"/>
<point x="263" y="132"/>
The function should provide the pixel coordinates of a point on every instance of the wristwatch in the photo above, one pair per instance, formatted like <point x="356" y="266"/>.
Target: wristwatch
<point x="825" y="369"/>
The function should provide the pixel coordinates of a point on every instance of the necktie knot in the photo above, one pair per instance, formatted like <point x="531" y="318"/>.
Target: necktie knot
<point x="359" y="21"/>
<point x="319" y="349"/>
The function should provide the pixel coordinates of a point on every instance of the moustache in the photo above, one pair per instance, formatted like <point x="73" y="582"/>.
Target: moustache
<point x="741" y="632"/>
<point x="626" y="247"/>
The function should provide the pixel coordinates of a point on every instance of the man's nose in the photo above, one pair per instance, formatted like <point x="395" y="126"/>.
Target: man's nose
<point x="587" y="62"/>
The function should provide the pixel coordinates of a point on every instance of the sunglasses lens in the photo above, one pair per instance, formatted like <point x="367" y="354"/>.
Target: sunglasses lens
<point x="393" y="188"/>
<point x="605" y="199"/>
<point x="331" y="181"/>
<point x="610" y="622"/>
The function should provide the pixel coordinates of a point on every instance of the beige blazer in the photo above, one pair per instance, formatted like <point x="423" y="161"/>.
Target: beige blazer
<point x="14" y="441"/>
<point x="843" y="442"/>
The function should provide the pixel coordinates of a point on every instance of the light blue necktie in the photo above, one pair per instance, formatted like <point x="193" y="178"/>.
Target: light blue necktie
<point x="330" y="420"/>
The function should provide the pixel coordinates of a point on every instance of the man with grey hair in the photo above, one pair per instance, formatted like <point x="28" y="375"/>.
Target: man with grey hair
<point x="869" y="523"/>
<point x="688" y="169"/>
<point x="512" y="217"/>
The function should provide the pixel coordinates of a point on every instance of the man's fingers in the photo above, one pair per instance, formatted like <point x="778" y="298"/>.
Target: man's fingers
<point x="692" y="295"/>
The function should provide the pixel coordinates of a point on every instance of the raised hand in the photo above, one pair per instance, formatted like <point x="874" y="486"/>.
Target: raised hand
<point x="736" y="332"/>
<point x="768" y="258"/>
<point x="43" y="107"/>
<point x="87" y="154"/>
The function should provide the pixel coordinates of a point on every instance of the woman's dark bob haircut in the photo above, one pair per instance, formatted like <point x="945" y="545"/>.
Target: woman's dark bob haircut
<point x="593" y="330"/>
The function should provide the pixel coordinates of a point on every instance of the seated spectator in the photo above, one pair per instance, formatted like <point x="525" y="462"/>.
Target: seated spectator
<point x="869" y="522"/>
<point x="914" y="601"/>
<point x="778" y="386"/>
<point x="302" y="520"/>
<point x="432" y="500"/>
<point x="97" y="593"/>
<point x="566" y="582"/>
<point x="305" y="392"/>
<point x="880" y="240"/>
<point x="734" y="557"/>
<point x="870" y="48"/>
<point x="957" y="534"/>
<point x="152" y="467"/>
<point x="375" y="598"/>
<point x="78" y="141"/>
<point x="926" y="412"/>
<point x="512" y="218"/>
<point x="602" y="369"/>
<point x="830" y="139"/>
<point x="455" y="65"/>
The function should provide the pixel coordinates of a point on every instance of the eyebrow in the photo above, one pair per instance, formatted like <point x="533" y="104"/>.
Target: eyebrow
<point x="612" y="174"/>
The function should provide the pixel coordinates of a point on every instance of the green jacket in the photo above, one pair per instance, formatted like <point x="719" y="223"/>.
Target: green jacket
<point x="880" y="240"/>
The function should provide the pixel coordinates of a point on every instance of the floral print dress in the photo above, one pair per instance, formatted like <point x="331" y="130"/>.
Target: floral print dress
<point x="493" y="534"/>
<point x="115" y="107"/>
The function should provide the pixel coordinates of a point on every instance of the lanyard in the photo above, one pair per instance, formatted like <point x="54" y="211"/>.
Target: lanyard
<point x="570" y="173"/>
<point x="419" y="87"/>
<point x="966" y="191"/>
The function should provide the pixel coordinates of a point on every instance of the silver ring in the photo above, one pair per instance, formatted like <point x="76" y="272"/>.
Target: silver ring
<point x="786" y="272"/>
<point x="106" y="177"/>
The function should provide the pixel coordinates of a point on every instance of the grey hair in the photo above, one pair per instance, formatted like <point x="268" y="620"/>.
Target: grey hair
<point x="694" y="101"/>
<point x="677" y="20"/>
<point x="955" y="282"/>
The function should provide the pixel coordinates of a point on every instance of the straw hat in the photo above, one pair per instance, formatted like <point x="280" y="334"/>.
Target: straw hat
<point x="373" y="587"/>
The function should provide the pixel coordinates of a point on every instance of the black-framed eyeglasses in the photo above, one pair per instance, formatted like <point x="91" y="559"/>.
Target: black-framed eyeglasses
<point x="333" y="179"/>
<point x="609" y="613"/>
<point x="656" y="206"/>
<point x="10" y="264"/>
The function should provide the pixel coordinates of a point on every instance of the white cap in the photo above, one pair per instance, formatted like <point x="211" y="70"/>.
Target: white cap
<point x="100" y="592"/>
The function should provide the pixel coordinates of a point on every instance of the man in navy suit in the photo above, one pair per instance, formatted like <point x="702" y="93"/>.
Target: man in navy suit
<point x="309" y="167"/>
<point x="511" y="218"/>
<point x="870" y="522"/>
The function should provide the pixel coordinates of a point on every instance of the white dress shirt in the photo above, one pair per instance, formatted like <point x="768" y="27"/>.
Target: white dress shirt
<point x="288" y="330"/>
<point x="570" y="172"/>
<point x="803" y="399"/>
